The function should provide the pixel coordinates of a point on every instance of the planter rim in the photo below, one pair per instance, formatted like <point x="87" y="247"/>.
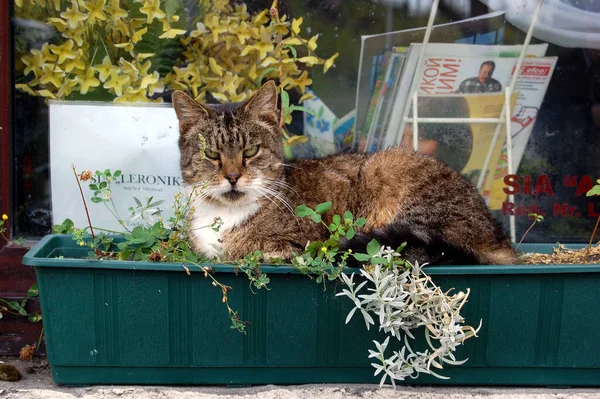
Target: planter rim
<point x="34" y="258"/>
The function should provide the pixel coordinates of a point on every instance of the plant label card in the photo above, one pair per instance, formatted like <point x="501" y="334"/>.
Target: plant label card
<point x="140" y="140"/>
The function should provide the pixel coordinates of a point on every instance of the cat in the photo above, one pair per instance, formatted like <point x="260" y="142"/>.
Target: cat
<point x="232" y="163"/>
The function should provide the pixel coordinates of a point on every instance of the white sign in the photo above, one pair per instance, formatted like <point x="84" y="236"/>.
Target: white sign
<point x="139" y="140"/>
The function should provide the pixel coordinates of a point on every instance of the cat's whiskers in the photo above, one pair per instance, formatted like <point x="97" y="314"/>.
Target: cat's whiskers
<point x="280" y="184"/>
<point x="255" y="190"/>
<point x="266" y="191"/>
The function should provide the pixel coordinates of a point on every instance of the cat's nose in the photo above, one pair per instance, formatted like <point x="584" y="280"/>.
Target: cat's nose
<point x="232" y="177"/>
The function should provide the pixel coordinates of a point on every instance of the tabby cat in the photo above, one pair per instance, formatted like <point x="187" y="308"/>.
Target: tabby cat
<point x="232" y="157"/>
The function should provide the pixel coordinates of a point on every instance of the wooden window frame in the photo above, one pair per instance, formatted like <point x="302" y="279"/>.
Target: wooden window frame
<point x="15" y="278"/>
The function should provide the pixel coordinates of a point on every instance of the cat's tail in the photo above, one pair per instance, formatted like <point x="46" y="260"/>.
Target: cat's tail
<point x="422" y="247"/>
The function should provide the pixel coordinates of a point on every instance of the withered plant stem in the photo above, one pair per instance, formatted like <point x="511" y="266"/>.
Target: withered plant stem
<point x="87" y="213"/>
<point x="525" y="235"/>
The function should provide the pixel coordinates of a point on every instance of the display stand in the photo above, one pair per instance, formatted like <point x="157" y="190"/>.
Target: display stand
<point x="505" y="115"/>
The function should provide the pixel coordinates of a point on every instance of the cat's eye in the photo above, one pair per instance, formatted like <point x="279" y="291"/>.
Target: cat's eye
<point x="250" y="152"/>
<point x="211" y="154"/>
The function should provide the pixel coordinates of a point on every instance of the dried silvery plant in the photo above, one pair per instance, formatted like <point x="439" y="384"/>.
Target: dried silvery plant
<point x="401" y="297"/>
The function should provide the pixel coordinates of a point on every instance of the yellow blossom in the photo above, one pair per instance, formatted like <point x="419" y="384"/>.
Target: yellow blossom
<point x="157" y="87"/>
<point x="296" y="25"/>
<point x="312" y="43"/>
<point x="261" y="18"/>
<point x="220" y="97"/>
<point x="46" y="93"/>
<point x="152" y="10"/>
<point x="52" y="75"/>
<point x="252" y="72"/>
<point x="115" y="11"/>
<point x="215" y="67"/>
<point x="172" y="33"/>
<point x="149" y="79"/>
<point x="132" y="95"/>
<point x="167" y="24"/>
<point x="79" y="35"/>
<point x="59" y="23"/>
<point x="199" y="31"/>
<point x="293" y="41"/>
<point x="269" y="61"/>
<point x="216" y="28"/>
<point x="237" y="98"/>
<point x="324" y="249"/>
<point x="33" y="62"/>
<point x="116" y="83"/>
<point x="64" y="51"/>
<point x="242" y="32"/>
<point x="96" y="11"/>
<point x="143" y="56"/>
<point x="309" y="60"/>
<point x="303" y="81"/>
<point x="329" y="62"/>
<point x="66" y="88"/>
<point x="87" y="81"/>
<point x="105" y="69"/>
<point x="75" y="63"/>
<point x="137" y="36"/>
<point x="4" y="216"/>
<point x="73" y="15"/>
<point x="306" y="96"/>
<point x="25" y="87"/>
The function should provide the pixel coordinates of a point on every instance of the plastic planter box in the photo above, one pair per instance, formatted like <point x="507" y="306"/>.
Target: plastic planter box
<point x="114" y="322"/>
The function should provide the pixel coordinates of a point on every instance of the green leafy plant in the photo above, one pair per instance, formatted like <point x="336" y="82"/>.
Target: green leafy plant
<point x="595" y="190"/>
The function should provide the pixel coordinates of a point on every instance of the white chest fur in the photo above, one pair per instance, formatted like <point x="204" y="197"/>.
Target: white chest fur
<point x="206" y="239"/>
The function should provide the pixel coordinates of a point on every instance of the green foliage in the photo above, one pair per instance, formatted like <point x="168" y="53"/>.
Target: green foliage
<point x="594" y="190"/>
<point x="324" y="258"/>
<point x="19" y="308"/>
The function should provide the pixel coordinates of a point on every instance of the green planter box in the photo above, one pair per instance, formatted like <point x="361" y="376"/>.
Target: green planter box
<point x="114" y="322"/>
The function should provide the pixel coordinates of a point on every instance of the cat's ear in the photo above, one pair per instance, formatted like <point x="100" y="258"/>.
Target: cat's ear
<point x="264" y="102"/>
<point x="188" y="110"/>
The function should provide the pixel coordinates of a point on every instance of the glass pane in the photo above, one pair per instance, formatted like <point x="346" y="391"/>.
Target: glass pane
<point x="128" y="51"/>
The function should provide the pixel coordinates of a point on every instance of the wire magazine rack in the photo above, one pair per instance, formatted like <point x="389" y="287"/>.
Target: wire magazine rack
<point x="505" y="115"/>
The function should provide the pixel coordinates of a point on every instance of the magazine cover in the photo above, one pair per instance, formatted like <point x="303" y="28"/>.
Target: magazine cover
<point x="458" y="57"/>
<point x="484" y="29"/>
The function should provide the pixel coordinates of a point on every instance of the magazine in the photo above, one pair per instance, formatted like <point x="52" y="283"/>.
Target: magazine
<point x="453" y="59"/>
<point x="484" y="29"/>
<point x="381" y="104"/>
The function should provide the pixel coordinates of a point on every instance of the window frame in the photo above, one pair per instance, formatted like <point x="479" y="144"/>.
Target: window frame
<point x="15" y="278"/>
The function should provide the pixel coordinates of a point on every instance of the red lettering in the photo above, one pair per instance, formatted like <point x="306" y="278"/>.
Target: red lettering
<point x="435" y="72"/>
<point x="560" y="210"/>
<point x="543" y="186"/>
<point x="527" y="185"/>
<point x="591" y="211"/>
<point x="508" y="208"/>
<point x="445" y="84"/>
<point x="452" y="70"/>
<point x="585" y="185"/>
<point x="433" y="62"/>
<point x="512" y="181"/>
<point x="521" y="210"/>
